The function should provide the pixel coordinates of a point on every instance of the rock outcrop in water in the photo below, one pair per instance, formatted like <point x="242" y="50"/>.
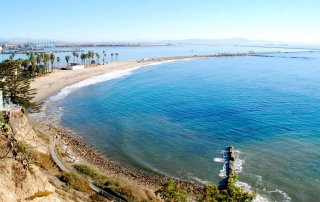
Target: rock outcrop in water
<point x="232" y="158"/>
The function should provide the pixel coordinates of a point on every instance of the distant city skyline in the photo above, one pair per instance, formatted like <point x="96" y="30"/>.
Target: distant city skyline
<point x="111" y="21"/>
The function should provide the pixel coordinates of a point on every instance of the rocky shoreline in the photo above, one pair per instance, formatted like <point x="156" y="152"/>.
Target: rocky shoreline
<point x="150" y="181"/>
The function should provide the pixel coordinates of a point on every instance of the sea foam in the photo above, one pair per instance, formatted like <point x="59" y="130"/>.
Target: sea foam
<point x="98" y="79"/>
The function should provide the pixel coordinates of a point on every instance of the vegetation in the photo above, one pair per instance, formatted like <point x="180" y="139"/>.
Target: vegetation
<point x="91" y="172"/>
<point x="231" y="193"/>
<point x="16" y="85"/>
<point x="75" y="181"/>
<point x="112" y="57"/>
<point x="116" y="56"/>
<point x="98" y="57"/>
<point x="67" y="57"/>
<point x="113" y="183"/>
<point x="171" y="192"/>
<point x="58" y="60"/>
<point x="18" y="174"/>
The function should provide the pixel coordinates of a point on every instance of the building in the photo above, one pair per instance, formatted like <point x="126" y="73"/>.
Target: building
<point x="74" y="66"/>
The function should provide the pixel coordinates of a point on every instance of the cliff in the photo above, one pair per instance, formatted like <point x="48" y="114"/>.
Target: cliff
<point x="21" y="180"/>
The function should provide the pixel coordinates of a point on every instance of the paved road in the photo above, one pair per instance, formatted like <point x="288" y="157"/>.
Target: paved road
<point x="54" y="155"/>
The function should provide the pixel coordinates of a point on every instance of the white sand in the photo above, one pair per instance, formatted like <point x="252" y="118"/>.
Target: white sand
<point x="55" y="81"/>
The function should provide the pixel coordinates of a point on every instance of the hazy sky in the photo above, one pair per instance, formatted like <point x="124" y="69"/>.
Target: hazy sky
<point x="128" y="20"/>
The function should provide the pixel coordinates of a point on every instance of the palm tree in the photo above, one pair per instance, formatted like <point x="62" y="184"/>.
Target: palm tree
<point x="39" y="58"/>
<point x="103" y="55"/>
<point x="68" y="58"/>
<point x="74" y="53"/>
<point x="92" y="56"/>
<point x="77" y="55"/>
<point x="12" y="56"/>
<point x="116" y="56"/>
<point x="83" y="57"/>
<point x="52" y="58"/>
<point x="25" y="64"/>
<point x="46" y="59"/>
<point x="98" y="57"/>
<point x="111" y="57"/>
<point x="88" y="56"/>
<point x="33" y="64"/>
<point x="58" y="60"/>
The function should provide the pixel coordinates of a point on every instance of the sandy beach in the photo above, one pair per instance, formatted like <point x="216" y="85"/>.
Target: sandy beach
<point x="46" y="85"/>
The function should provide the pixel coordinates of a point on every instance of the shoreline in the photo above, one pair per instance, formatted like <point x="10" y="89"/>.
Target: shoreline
<point x="90" y="156"/>
<point x="143" y="178"/>
<point x="53" y="82"/>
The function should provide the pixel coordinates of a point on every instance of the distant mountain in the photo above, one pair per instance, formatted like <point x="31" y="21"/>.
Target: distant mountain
<point x="17" y="39"/>
<point x="220" y="41"/>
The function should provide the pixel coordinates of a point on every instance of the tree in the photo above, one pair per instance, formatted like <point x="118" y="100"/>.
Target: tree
<point x="116" y="56"/>
<point x="77" y="55"/>
<point x="33" y="64"/>
<point x="67" y="57"/>
<point x="12" y="56"/>
<point x="58" y="60"/>
<point x="171" y="192"/>
<point x="15" y="85"/>
<point x="39" y="59"/>
<point x="83" y="57"/>
<point x="88" y="56"/>
<point x="231" y="193"/>
<point x="46" y="59"/>
<point x="52" y="58"/>
<point x="92" y="56"/>
<point x="2" y="51"/>
<point x="111" y="57"/>
<point x="104" y="55"/>
<point x="74" y="53"/>
<point x="98" y="57"/>
<point x="25" y="64"/>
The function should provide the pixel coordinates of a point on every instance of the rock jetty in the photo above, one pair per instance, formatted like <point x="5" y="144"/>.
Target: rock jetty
<point x="232" y="158"/>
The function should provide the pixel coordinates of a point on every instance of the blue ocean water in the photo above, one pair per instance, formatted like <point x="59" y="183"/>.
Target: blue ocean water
<point x="176" y="118"/>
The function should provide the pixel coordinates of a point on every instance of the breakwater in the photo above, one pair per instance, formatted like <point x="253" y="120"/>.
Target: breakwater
<point x="232" y="158"/>
<point x="250" y="53"/>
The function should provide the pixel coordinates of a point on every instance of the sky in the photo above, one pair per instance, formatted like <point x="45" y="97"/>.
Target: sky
<point x="142" y="20"/>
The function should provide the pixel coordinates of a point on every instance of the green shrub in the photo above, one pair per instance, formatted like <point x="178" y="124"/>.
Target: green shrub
<point x="113" y="183"/>
<point x="75" y="181"/>
<point x="231" y="193"/>
<point x="171" y="191"/>
<point x="126" y="187"/>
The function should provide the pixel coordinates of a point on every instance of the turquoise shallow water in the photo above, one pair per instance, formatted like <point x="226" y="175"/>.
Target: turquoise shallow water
<point x="177" y="118"/>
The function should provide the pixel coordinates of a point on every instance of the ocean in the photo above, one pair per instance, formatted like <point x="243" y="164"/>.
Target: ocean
<point x="177" y="118"/>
